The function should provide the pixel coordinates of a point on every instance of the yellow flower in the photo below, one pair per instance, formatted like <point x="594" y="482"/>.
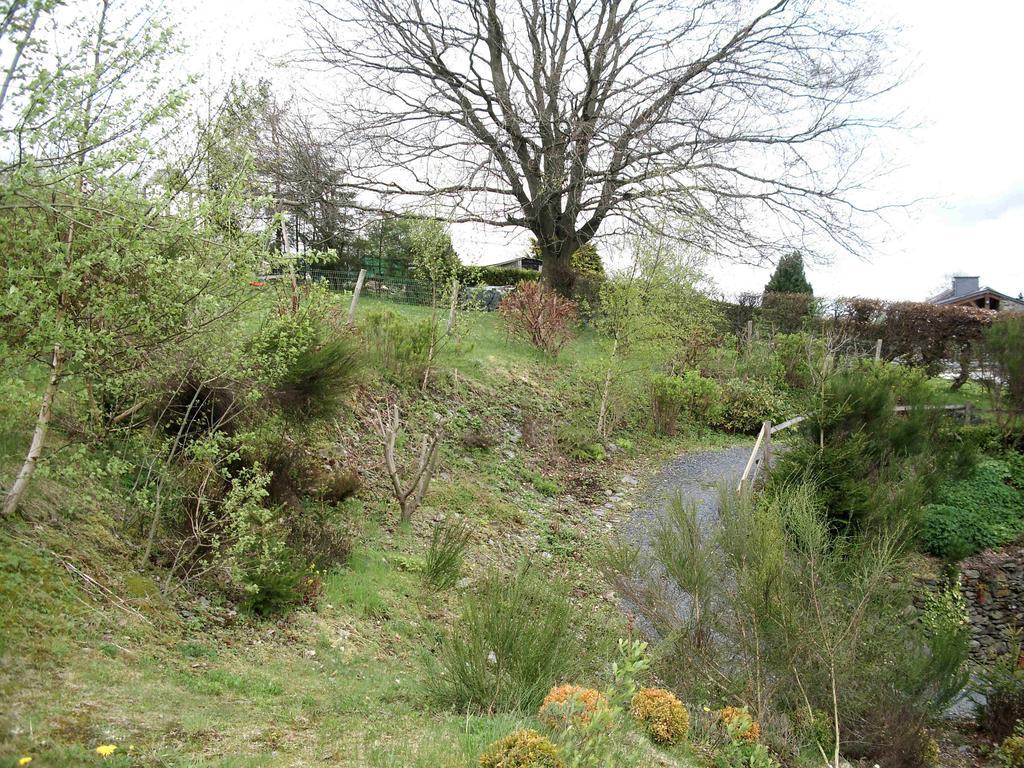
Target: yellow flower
<point x="106" y="750"/>
<point x="25" y="760"/>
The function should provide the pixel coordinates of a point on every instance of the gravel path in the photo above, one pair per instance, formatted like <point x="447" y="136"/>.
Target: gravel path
<point x="697" y="476"/>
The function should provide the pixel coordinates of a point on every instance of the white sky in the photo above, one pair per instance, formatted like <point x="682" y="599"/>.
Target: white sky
<point x="964" y="163"/>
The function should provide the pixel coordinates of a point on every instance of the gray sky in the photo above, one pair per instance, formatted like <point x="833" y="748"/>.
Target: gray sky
<point x="964" y="163"/>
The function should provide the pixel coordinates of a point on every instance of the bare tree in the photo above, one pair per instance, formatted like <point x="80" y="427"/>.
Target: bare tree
<point x="410" y="492"/>
<point x="566" y="117"/>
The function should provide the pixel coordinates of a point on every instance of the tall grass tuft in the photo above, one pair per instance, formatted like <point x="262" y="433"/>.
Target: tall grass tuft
<point x="512" y="642"/>
<point x="444" y="558"/>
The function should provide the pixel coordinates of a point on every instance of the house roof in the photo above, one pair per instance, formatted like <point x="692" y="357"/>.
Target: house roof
<point x="948" y="297"/>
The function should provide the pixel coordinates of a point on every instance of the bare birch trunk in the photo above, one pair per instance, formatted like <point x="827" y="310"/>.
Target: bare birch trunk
<point x="35" y="450"/>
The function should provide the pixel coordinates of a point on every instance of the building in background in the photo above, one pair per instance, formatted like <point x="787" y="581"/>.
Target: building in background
<point x="966" y="292"/>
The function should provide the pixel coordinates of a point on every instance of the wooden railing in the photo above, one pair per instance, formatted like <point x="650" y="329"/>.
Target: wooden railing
<point x="761" y="455"/>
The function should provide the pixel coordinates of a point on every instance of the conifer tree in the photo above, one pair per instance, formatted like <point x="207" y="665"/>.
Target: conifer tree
<point x="789" y="276"/>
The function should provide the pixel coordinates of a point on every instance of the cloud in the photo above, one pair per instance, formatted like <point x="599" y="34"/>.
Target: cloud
<point x="987" y="210"/>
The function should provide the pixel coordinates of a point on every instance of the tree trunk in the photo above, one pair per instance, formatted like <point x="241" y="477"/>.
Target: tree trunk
<point x="557" y="271"/>
<point x="38" y="436"/>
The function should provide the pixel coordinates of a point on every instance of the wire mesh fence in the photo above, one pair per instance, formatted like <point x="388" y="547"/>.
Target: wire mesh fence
<point x="400" y="289"/>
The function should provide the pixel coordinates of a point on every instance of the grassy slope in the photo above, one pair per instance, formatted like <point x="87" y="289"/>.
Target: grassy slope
<point x="184" y="683"/>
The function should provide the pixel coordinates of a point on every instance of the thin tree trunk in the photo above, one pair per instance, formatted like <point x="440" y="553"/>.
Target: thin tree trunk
<point x="38" y="436"/>
<point x="17" y="55"/>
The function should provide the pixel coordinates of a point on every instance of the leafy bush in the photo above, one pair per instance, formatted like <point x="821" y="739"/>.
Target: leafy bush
<point x="794" y="351"/>
<point x="749" y="402"/>
<point x="511" y="643"/>
<point x="977" y="512"/>
<point x="695" y="398"/>
<point x="443" y="565"/>
<point x="570" y="706"/>
<point x="660" y="714"/>
<point x="319" y="378"/>
<point x="739" y="725"/>
<point x="742" y="748"/>
<point x="1001" y="687"/>
<point x="1011" y="752"/>
<point x="522" y="749"/>
<point x="537" y="313"/>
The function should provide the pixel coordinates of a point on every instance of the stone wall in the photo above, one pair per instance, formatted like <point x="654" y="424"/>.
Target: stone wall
<point x="993" y="585"/>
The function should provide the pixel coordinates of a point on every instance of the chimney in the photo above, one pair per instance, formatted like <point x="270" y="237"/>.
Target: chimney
<point x="964" y="285"/>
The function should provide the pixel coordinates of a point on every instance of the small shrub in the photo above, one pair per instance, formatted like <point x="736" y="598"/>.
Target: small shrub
<point x="335" y="484"/>
<point x="320" y="535"/>
<point x="400" y="347"/>
<point x="660" y="714"/>
<point x="443" y="565"/>
<point x="535" y="312"/>
<point x="695" y="398"/>
<point x="739" y="725"/>
<point x="571" y="706"/>
<point x="479" y="438"/>
<point x="1011" y="752"/>
<point x="512" y="642"/>
<point x="522" y="749"/>
<point x="546" y="486"/>
<point x="749" y="402"/>
<point x="319" y="379"/>
<point x="1001" y="685"/>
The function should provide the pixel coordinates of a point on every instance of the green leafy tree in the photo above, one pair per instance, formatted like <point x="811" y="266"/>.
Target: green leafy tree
<point x="100" y="266"/>
<point x="653" y="313"/>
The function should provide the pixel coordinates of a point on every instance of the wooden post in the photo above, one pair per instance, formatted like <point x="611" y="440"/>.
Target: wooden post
<point x="767" y="427"/>
<point x="455" y="303"/>
<point x="878" y="350"/>
<point x="750" y="333"/>
<point x="968" y="408"/>
<point x="355" y="296"/>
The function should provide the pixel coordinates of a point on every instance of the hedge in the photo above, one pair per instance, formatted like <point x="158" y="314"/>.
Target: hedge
<point x="469" y="275"/>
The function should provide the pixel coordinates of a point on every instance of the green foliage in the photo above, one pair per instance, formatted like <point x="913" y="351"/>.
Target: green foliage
<point x="496" y="275"/>
<point x="401" y="347"/>
<point x="872" y="466"/>
<point x="522" y="749"/>
<point x="975" y="512"/>
<point x="697" y="399"/>
<point x="320" y="378"/>
<point x="794" y="352"/>
<point x="408" y="246"/>
<point x="443" y="564"/>
<point x="1004" y="342"/>
<point x="1011" y="752"/>
<point x="511" y="643"/>
<point x="747" y="403"/>
<point x="789" y="276"/>
<point x="1000" y="684"/>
